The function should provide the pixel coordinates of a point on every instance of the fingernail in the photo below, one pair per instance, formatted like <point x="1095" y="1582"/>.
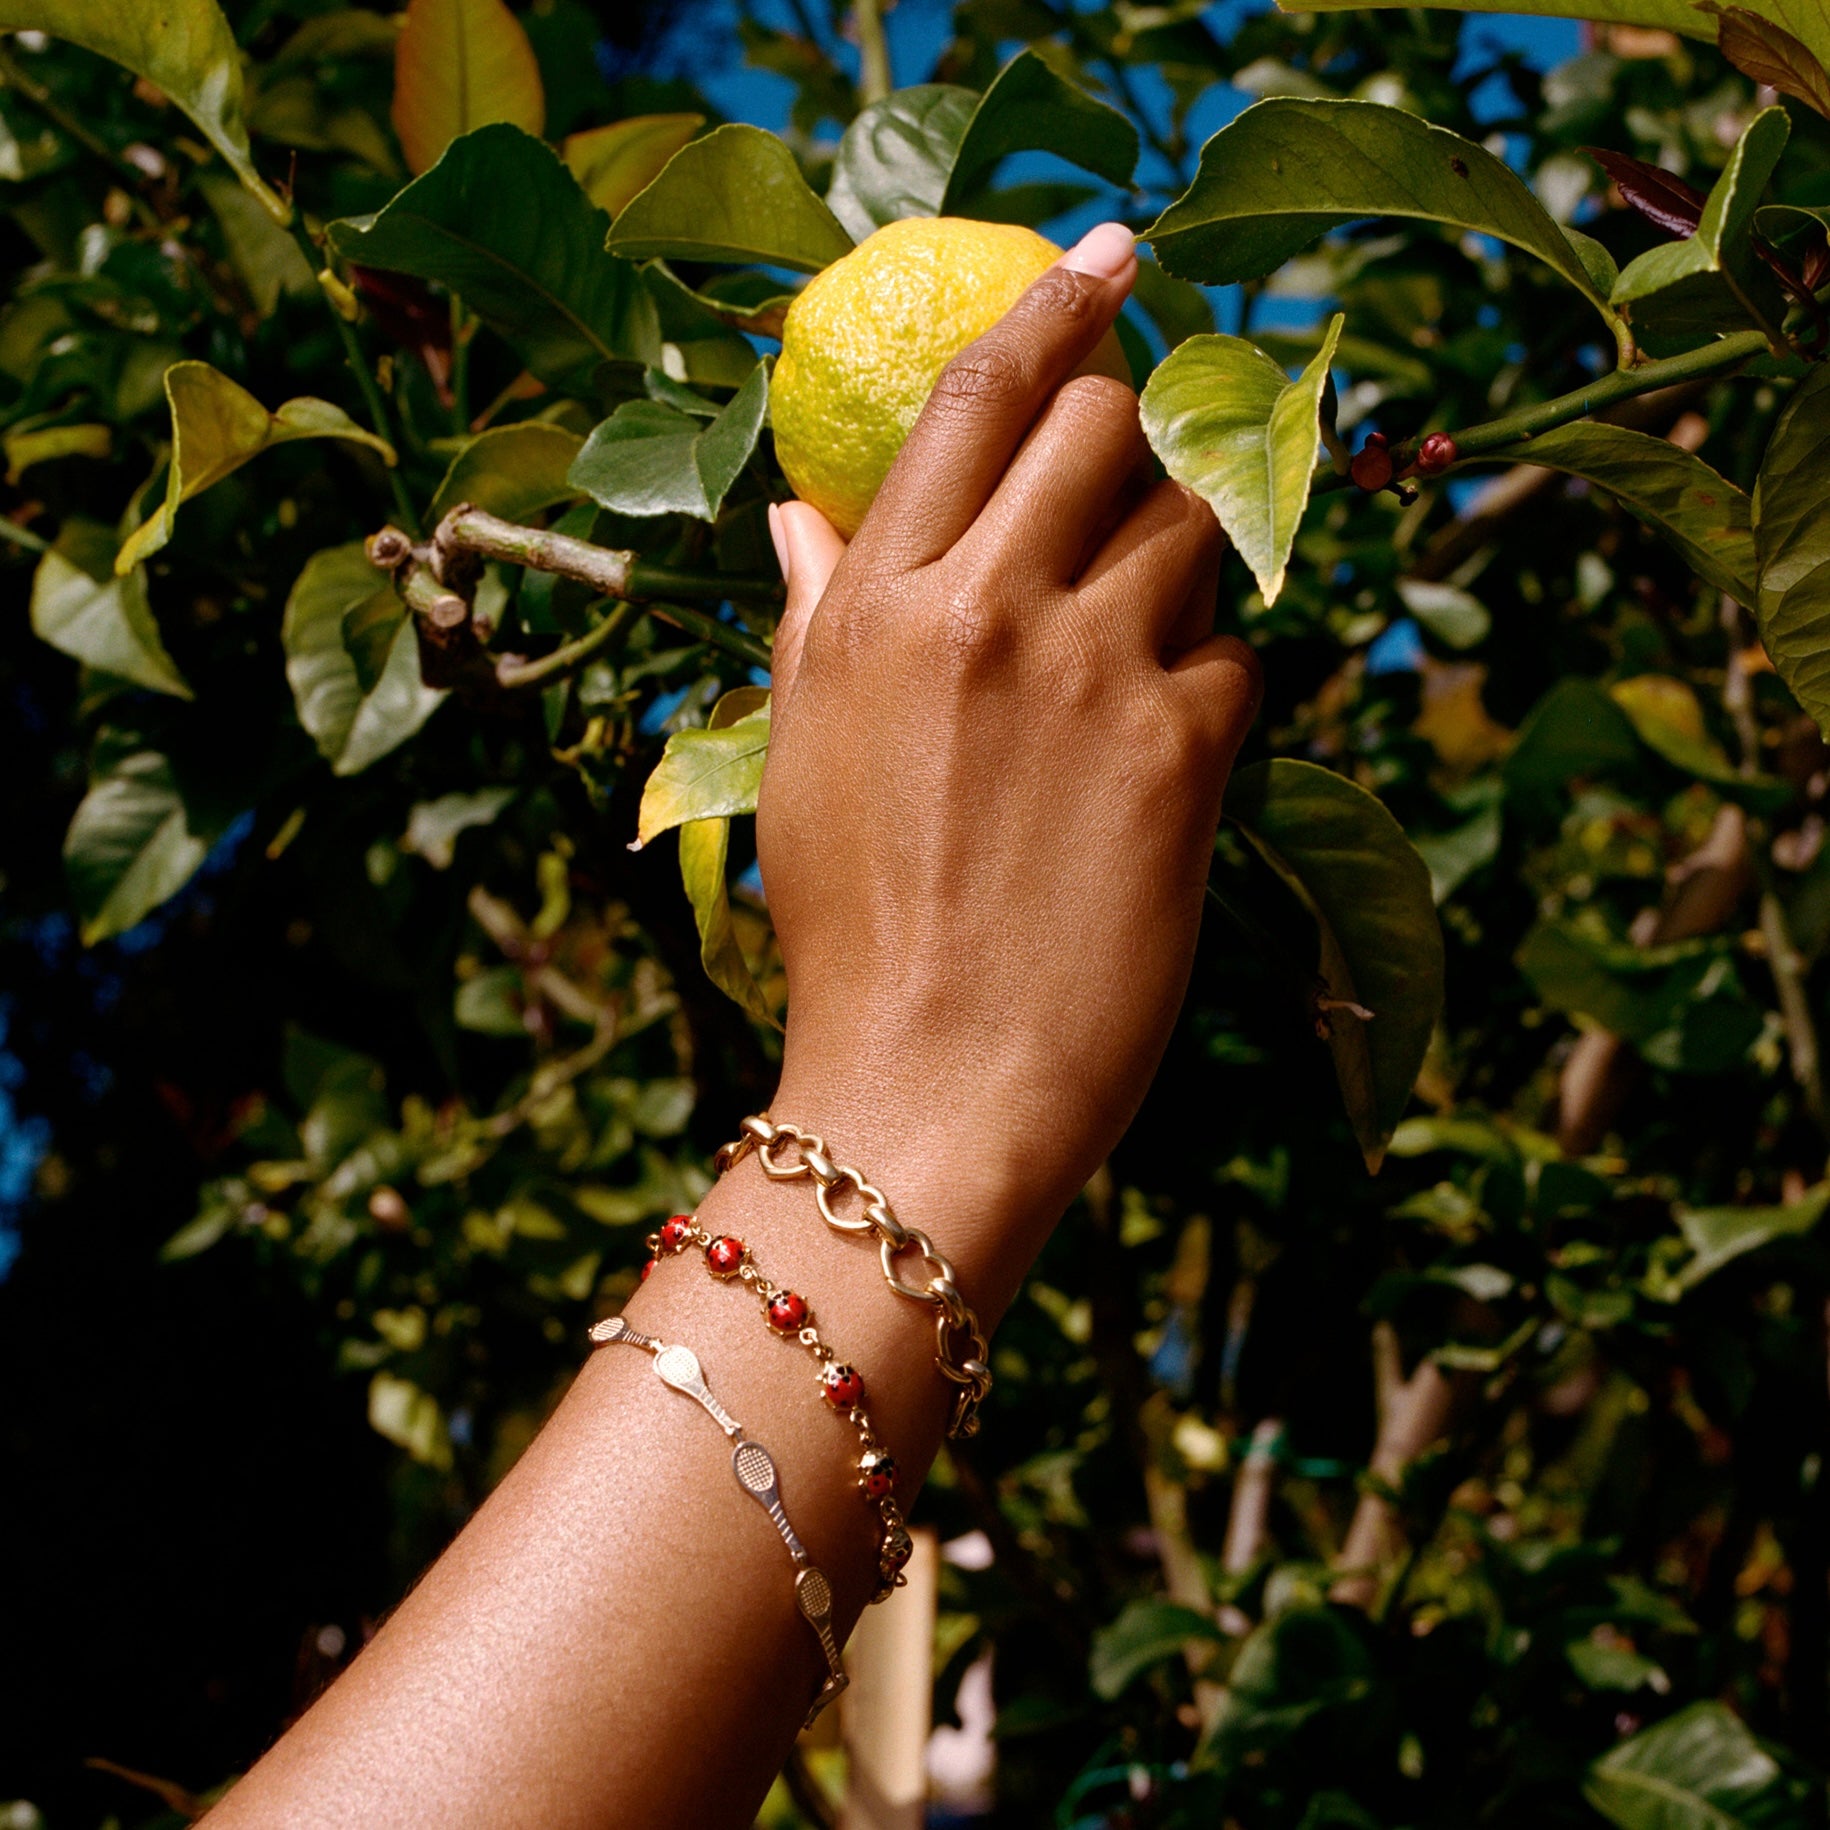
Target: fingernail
<point x="1104" y="251"/>
<point x="779" y="539"/>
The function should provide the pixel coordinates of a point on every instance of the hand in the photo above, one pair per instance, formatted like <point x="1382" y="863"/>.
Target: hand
<point x="1002" y="725"/>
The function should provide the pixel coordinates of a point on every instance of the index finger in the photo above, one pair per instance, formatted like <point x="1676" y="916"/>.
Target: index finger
<point x="989" y="395"/>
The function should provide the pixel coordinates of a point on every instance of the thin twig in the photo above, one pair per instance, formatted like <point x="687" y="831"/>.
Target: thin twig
<point x="875" y="81"/>
<point x="512" y="671"/>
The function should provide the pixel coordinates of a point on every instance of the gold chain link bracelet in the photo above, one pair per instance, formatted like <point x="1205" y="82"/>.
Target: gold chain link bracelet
<point x="960" y="1348"/>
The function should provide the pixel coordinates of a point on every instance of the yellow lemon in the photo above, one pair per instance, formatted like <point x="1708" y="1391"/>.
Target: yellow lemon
<point x="866" y="340"/>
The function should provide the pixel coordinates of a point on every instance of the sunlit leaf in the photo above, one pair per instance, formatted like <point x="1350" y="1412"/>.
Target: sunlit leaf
<point x="434" y="827"/>
<point x="1700" y="1769"/>
<point x="460" y="65"/>
<point x="1289" y="169"/>
<point x="1692" y="507"/>
<point x="80" y="606"/>
<point x="1031" y="108"/>
<point x="501" y="222"/>
<point x="711" y="773"/>
<point x="409" y="1417"/>
<point x="704" y="845"/>
<point x="1231" y="424"/>
<point x="134" y="842"/>
<point x="615" y="163"/>
<point x="352" y="660"/>
<point x="184" y="48"/>
<point x="1718" y="1236"/>
<point x="1381" y="948"/>
<point x="46" y="444"/>
<point x="1792" y="538"/>
<point x="649" y="458"/>
<point x="735" y="196"/>
<point x="1719" y="255"/>
<point x="217" y="426"/>
<point x="512" y="471"/>
<point x="895" y="157"/>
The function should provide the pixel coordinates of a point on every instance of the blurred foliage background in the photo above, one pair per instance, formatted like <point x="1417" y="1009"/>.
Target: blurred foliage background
<point x="313" y="1173"/>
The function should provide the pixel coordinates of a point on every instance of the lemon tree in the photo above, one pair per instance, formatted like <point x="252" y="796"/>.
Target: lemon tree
<point x="388" y="455"/>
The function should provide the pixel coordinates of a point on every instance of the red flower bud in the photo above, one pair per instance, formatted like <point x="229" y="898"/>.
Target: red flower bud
<point x="1436" y="454"/>
<point x="1372" y="466"/>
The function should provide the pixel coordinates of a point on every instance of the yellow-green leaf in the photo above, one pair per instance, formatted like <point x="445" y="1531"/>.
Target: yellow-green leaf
<point x="704" y="845"/>
<point x="1229" y="422"/>
<point x="614" y="163"/>
<point x="182" y="47"/>
<point x="459" y="65"/>
<point x="44" y="444"/>
<point x="217" y="426"/>
<point x="105" y="622"/>
<point x="710" y="773"/>
<point x="512" y="471"/>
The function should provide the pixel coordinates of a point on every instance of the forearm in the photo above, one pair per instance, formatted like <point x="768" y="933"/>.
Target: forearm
<point x="614" y="1637"/>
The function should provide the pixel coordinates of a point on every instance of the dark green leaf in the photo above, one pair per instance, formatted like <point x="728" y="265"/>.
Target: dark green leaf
<point x="511" y="471"/>
<point x="1030" y="108"/>
<point x="736" y="196"/>
<point x="1792" y="539"/>
<point x="1145" y="1634"/>
<point x="1305" y="1669"/>
<point x="1693" y="508"/>
<point x="1288" y="170"/>
<point x="501" y="222"/>
<point x="1231" y="424"/>
<point x="649" y="458"/>
<point x="1381" y="947"/>
<point x="133" y="843"/>
<point x="1575" y="731"/>
<point x="895" y="157"/>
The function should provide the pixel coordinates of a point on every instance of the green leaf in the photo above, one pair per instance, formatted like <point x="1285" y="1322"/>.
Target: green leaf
<point x="501" y="222"/>
<point x="734" y="197"/>
<point x="511" y="471"/>
<point x="711" y="773"/>
<point x="217" y="426"/>
<point x="1576" y="730"/>
<point x="1348" y="860"/>
<point x="1668" y="718"/>
<point x="184" y="48"/>
<point x="46" y="444"/>
<point x="1792" y="541"/>
<point x="1145" y="1634"/>
<point x="133" y="843"/>
<point x="1690" y="506"/>
<point x="340" y="615"/>
<point x="83" y="610"/>
<point x="1682" y="1005"/>
<point x="1229" y="422"/>
<point x="1601" y="1666"/>
<point x="1029" y="108"/>
<point x="1700" y="1769"/>
<point x="434" y="827"/>
<point x="895" y="157"/>
<point x="1287" y="170"/>
<point x="618" y="162"/>
<point x="649" y="458"/>
<point x="410" y="1418"/>
<point x="1305" y="1665"/>
<point x="1719" y="1235"/>
<point x="266" y="259"/>
<point x="1719" y="256"/>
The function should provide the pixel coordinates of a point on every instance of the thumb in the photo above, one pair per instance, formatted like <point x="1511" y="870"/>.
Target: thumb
<point x="809" y="547"/>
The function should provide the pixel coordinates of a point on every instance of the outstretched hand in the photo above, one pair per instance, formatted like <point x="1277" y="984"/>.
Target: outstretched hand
<point x="1002" y="728"/>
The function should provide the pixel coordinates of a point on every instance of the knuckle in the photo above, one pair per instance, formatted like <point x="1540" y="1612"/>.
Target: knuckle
<point x="1062" y="294"/>
<point x="1097" y="403"/>
<point x="966" y="630"/>
<point x="988" y="373"/>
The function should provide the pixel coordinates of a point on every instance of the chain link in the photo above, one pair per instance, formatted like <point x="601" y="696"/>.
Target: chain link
<point x="960" y="1347"/>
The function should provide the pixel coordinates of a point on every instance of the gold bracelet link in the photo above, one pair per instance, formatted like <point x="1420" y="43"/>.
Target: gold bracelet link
<point x="960" y="1348"/>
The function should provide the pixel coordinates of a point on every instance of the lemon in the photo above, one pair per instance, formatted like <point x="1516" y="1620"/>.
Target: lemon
<point x="864" y="343"/>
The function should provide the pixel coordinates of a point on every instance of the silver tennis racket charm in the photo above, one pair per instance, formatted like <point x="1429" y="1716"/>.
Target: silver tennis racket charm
<point x="679" y="1367"/>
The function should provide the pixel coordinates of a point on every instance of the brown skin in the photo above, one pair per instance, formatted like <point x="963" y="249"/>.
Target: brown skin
<point x="1002" y="727"/>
